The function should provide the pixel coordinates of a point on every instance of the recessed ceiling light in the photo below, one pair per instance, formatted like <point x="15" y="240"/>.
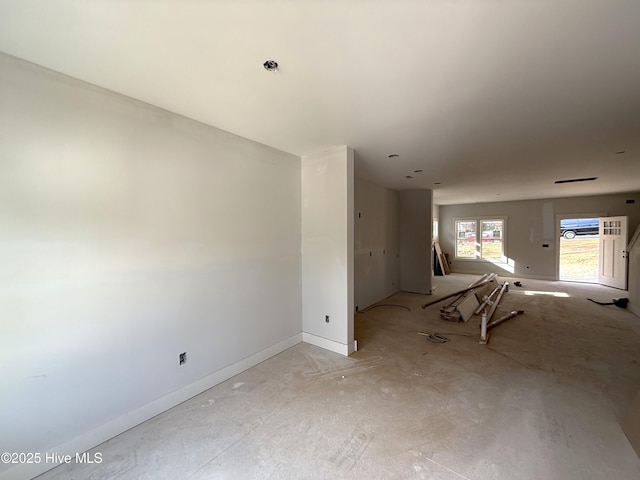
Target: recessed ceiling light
<point x="270" y="65"/>
<point x="393" y="155"/>
<point x="587" y="179"/>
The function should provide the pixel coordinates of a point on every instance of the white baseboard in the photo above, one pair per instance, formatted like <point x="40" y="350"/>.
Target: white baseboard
<point x="332" y="345"/>
<point x="119" y="425"/>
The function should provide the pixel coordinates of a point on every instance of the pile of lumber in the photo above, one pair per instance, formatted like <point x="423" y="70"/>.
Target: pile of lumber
<point x="464" y="303"/>
<point x="483" y="295"/>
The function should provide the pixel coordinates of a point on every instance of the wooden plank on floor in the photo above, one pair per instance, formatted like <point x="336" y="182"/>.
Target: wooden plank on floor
<point x="468" y="307"/>
<point x="441" y="258"/>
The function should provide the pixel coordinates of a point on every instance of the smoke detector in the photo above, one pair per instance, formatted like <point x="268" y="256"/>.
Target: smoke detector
<point x="270" y="65"/>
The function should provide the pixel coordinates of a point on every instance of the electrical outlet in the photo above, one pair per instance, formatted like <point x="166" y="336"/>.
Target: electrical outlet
<point x="182" y="358"/>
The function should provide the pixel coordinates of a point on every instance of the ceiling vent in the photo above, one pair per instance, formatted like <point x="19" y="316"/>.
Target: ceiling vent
<point x="588" y="179"/>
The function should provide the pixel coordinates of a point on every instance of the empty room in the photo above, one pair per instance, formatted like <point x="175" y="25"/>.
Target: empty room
<point x="307" y="239"/>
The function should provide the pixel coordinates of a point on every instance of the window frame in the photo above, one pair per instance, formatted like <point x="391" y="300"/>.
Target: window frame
<point x="479" y="220"/>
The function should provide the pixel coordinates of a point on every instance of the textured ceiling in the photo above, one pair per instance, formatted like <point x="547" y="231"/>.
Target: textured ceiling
<point x="492" y="99"/>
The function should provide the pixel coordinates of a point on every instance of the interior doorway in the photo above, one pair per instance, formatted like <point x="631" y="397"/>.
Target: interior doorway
<point x="579" y="249"/>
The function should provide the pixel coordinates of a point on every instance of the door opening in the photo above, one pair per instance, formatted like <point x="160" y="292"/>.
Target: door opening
<point x="579" y="249"/>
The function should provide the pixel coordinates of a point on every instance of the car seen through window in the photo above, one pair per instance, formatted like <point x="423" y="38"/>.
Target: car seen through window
<point x="571" y="227"/>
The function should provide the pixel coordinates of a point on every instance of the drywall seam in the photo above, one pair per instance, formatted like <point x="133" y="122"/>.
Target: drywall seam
<point x="115" y="427"/>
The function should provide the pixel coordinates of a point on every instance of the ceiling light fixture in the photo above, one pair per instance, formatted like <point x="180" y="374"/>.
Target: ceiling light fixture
<point x="270" y="65"/>
<point x="588" y="179"/>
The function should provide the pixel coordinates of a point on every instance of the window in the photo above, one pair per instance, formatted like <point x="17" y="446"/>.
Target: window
<point x="466" y="238"/>
<point x="491" y="247"/>
<point x="480" y="238"/>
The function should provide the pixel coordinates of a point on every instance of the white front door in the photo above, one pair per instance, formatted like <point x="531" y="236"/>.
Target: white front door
<point x="612" y="267"/>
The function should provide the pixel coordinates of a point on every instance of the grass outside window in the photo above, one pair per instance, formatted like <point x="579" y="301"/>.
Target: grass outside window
<point x="480" y="239"/>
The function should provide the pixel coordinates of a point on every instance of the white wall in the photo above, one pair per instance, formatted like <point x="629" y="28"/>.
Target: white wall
<point x="416" y="257"/>
<point x="377" y="243"/>
<point x="129" y="235"/>
<point x="530" y="224"/>
<point x="327" y="249"/>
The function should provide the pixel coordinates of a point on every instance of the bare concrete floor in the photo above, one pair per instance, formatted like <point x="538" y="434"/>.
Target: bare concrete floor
<point x="543" y="400"/>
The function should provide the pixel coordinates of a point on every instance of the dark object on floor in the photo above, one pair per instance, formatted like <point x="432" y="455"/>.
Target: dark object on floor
<point x="618" y="302"/>
<point x="517" y="284"/>
<point x="437" y="338"/>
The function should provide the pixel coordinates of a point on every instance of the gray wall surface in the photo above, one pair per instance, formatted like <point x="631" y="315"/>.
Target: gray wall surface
<point x="377" y="243"/>
<point x="130" y="235"/>
<point x="327" y="249"/>
<point x="416" y="256"/>
<point x="530" y="225"/>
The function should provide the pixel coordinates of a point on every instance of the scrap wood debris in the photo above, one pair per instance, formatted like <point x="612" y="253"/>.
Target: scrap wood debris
<point x="481" y="296"/>
<point x="467" y="302"/>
